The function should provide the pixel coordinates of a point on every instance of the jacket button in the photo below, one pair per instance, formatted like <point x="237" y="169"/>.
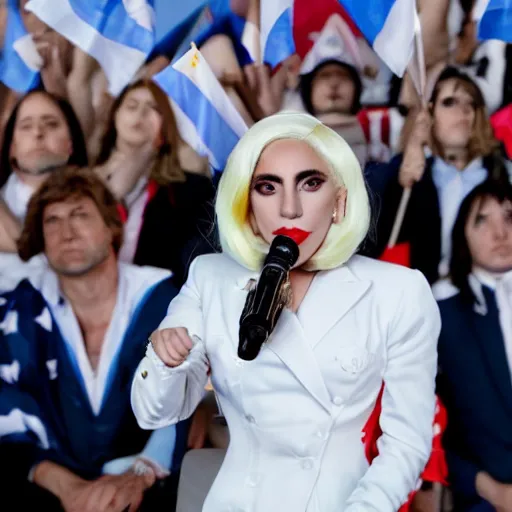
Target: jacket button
<point x="250" y="418"/>
<point x="337" y="400"/>
<point x="307" y="464"/>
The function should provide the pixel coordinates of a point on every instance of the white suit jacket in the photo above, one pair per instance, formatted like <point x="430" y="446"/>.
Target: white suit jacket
<point x="296" y="413"/>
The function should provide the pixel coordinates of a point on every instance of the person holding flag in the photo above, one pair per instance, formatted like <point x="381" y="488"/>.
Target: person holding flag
<point x="456" y="129"/>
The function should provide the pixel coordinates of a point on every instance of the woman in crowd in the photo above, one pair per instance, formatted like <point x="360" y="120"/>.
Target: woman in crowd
<point x="168" y="209"/>
<point x="474" y="352"/>
<point x="296" y="414"/>
<point x="463" y="151"/>
<point x="42" y="133"/>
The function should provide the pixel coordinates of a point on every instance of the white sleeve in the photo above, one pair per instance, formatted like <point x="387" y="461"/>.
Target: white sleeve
<point x="408" y="403"/>
<point x="162" y="395"/>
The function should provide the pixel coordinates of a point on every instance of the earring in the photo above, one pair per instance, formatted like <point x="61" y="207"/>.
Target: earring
<point x="334" y="214"/>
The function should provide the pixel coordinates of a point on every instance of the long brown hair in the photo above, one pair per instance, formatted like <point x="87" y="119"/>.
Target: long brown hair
<point x="167" y="168"/>
<point x="63" y="184"/>
<point x="482" y="141"/>
<point x="79" y="152"/>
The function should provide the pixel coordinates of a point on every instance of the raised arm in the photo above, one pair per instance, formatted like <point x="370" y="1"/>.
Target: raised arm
<point x="169" y="382"/>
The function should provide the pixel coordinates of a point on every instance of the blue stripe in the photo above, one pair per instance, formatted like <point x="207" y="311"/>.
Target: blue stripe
<point x="14" y="73"/>
<point x="496" y="23"/>
<point x="110" y="19"/>
<point x="280" y="44"/>
<point x="214" y="132"/>
<point x="369" y="16"/>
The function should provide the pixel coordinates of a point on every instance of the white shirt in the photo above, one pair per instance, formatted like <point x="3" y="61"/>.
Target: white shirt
<point x="134" y="282"/>
<point x="501" y="284"/>
<point x="136" y="202"/>
<point x="452" y="187"/>
<point x="16" y="195"/>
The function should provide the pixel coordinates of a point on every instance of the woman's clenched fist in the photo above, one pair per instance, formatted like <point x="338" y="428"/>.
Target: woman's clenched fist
<point x="172" y="345"/>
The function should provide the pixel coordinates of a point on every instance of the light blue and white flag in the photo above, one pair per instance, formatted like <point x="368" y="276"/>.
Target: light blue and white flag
<point x="207" y="119"/>
<point x="389" y="26"/>
<point x="494" y="18"/>
<point x="21" y="62"/>
<point x="276" y="18"/>
<point x="119" y="34"/>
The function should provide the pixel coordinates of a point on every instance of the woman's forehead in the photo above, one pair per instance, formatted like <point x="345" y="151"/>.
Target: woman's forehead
<point x="289" y="155"/>
<point x="454" y="87"/>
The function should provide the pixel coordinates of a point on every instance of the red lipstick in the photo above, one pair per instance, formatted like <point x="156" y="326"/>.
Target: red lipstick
<point x="296" y="234"/>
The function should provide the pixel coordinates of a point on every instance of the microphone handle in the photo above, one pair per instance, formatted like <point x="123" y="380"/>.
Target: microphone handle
<point x="262" y="311"/>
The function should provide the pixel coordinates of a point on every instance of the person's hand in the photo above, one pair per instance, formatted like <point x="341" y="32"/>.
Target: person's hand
<point x="172" y="346"/>
<point x="53" y="73"/>
<point x="10" y="229"/>
<point x="413" y="164"/>
<point x="112" y="493"/>
<point x="257" y="77"/>
<point x="122" y="171"/>
<point x="503" y="499"/>
<point x="424" y="501"/>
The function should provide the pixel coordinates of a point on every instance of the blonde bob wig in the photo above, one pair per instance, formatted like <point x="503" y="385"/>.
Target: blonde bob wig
<point x="233" y="198"/>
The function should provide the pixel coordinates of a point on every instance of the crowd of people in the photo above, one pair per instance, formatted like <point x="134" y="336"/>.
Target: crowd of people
<point x="104" y="208"/>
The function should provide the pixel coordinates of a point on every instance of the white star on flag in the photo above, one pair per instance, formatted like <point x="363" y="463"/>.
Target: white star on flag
<point x="10" y="323"/>
<point x="45" y="320"/>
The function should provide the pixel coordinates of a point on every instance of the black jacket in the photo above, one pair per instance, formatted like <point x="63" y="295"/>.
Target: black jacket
<point x="178" y="225"/>
<point x="422" y="221"/>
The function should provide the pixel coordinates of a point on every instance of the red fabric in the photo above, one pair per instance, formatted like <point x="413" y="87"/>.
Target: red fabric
<point x="123" y="212"/>
<point x="501" y="122"/>
<point x="152" y="190"/>
<point x="306" y="21"/>
<point x="399" y="254"/>
<point x="364" y="117"/>
<point x="436" y="469"/>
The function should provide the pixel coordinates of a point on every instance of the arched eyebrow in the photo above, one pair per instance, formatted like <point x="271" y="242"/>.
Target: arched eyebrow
<point x="302" y="175"/>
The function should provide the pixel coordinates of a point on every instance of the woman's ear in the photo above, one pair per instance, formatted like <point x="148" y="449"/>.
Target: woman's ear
<point x="340" y="206"/>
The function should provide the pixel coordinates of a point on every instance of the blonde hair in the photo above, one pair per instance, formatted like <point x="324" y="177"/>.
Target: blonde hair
<point x="232" y="205"/>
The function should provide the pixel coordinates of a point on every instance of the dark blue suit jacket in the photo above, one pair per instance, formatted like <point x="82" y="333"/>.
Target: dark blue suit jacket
<point x="475" y="385"/>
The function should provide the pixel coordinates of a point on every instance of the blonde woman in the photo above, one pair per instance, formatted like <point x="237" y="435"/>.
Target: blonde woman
<point x="296" y="414"/>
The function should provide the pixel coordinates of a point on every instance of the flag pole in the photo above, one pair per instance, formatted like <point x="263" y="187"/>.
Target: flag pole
<point x="419" y="56"/>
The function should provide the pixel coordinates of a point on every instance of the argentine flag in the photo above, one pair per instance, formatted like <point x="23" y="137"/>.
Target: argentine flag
<point x="389" y="26"/>
<point x="494" y="18"/>
<point x="277" y="43"/>
<point x="119" y="34"/>
<point x="21" y="62"/>
<point x="207" y="119"/>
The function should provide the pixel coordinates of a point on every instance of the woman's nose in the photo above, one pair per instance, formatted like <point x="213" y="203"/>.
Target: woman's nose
<point x="291" y="207"/>
<point x="38" y="131"/>
<point x="500" y="230"/>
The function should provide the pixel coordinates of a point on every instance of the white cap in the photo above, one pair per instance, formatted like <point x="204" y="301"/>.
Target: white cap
<point x="335" y="42"/>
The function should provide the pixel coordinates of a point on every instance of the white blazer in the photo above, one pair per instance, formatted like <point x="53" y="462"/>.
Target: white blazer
<point x="296" y="413"/>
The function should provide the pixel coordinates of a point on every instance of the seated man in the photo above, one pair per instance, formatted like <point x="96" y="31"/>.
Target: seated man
<point x="70" y="340"/>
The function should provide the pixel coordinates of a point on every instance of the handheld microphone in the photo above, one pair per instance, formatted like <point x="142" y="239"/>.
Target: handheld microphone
<point x="265" y="302"/>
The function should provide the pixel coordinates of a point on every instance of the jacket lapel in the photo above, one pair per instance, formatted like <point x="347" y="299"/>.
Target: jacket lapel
<point x="293" y="349"/>
<point x="492" y="345"/>
<point x="331" y="296"/>
<point x="287" y="340"/>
